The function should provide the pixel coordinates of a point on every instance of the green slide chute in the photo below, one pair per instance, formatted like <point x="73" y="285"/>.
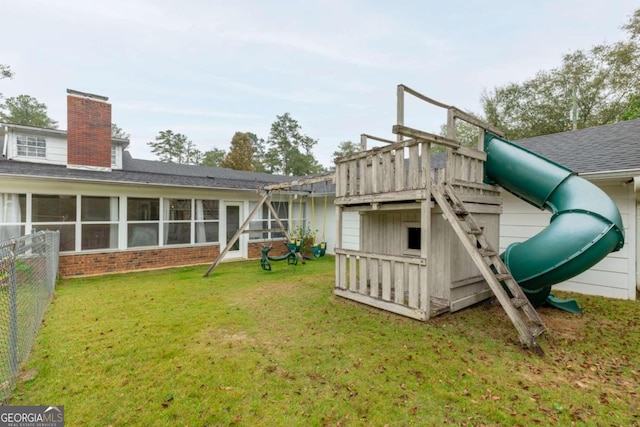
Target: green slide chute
<point x="585" y="223"/>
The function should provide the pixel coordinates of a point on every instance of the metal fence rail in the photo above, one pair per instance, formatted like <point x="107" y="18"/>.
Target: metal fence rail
<point x="28" y="269"/>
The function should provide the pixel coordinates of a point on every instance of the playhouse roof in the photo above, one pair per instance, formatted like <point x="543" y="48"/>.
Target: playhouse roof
<point x="606" y="148"/>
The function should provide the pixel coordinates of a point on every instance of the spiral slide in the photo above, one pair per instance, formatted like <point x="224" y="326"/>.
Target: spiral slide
<point x="584" y="228"/>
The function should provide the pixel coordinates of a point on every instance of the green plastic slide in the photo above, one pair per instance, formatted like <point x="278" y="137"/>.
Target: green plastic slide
<point x="585" y="224"/>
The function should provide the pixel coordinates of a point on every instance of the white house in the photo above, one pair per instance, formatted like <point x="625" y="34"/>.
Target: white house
<point x="116" y="213"/>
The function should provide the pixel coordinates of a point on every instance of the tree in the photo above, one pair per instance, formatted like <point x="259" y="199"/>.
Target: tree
<point x="240" y="155"/>
<point x="289" y="151"/>
<point x="633" y="108"/>
<point x="345" y="148"/>
<point x="258" y="152"/>
<point x="5" y="73"/>
<point x="116" y="132"/>
<point x="213" y="158"/>
<point x="175" y="148"/>
<point x="26" y="110"/>
<point x="589" y="88"/>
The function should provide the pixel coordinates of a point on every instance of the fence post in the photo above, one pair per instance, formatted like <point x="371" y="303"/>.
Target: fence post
<point x="14" y="363"/>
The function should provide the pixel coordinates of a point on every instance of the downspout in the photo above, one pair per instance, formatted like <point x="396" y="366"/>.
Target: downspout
<point x="6" y="141"/>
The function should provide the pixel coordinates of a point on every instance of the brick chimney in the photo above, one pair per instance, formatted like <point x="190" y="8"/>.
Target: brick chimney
<point x="88" y="131"/>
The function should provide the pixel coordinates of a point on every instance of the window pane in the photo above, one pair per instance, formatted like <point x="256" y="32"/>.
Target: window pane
<point x="9" y="231"/>
<point x="139" y="209"/>
<point x="99" y="236"/>
<point x="67" y="235"/>
<point x="46" y="208"/>
<point x="99" y="208"/>
<point x="207" y="232"/>
<point x="142" y="235"/>
<point x="177" y="233"/>
<point x="207" y="209"/>
<point x="177" y="209"/>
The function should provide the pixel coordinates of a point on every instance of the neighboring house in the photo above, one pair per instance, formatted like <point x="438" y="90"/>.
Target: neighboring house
<point x="609" y="157"/>
<point x="116" y="213"/>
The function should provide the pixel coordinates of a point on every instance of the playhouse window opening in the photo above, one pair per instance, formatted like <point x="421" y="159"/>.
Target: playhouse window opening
<point x="413" y="238"/>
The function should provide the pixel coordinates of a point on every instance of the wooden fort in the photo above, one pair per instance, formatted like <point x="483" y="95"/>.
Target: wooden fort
<point x="426" y="234"/>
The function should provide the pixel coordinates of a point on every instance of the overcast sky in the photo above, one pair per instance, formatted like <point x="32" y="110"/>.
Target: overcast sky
<point x="208" y="68"/>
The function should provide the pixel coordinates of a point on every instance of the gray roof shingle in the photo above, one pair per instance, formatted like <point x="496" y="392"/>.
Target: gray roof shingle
<point x="604" y="148"/>
<point x="148" y="172"/>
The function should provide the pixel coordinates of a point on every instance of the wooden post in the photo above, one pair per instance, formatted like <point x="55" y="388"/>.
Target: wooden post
<point x="363" y="142"/>
<point x="400" y="108"/>
<point x="235" y="237"/>
<point x="425" y="232"/>
<point x="449" y="171"/>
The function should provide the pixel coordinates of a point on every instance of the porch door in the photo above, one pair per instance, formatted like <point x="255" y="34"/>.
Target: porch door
<point x="234" y="218"/>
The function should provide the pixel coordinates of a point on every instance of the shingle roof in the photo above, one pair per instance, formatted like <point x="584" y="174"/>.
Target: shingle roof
<point x="598" y="149"/>
<point x="148" y="172"/>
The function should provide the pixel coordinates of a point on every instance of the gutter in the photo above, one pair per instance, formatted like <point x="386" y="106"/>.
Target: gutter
<point x="614" y="174"/>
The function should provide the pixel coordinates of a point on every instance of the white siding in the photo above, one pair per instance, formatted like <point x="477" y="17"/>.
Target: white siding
<point x="351" y="230"/>
<point x="614" y="276"/>
<point x="56" y="148"/>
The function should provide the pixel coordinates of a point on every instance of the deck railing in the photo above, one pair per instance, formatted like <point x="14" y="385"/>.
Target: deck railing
<point x="394" y="168"/>
<point x="385" y="281"/>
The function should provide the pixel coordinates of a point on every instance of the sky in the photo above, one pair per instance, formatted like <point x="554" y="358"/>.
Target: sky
<point x="209" y="68"/>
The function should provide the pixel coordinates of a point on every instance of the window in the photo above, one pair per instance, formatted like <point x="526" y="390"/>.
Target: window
<point x="207" y="220"/>
<point x="142" y="222"/>
<point x="114" y="162"/>
<point x="264" y="220"/>
<point x="177" y="221"/>
<point x="50" y="212"/>
<point x="12" y="215"/>
<point x="99" y="216"/>
<point x="32" y="146"/>
<point x="413" y="238"/>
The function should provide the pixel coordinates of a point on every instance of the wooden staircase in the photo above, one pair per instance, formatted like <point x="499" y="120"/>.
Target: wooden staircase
<point x="515" y="303"/>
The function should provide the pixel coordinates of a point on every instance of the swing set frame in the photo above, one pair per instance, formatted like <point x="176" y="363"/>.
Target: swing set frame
<point x="265" y="194"/>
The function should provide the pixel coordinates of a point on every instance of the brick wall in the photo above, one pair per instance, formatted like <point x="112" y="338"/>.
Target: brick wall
<point x="88" y="131"/>
<point x="74" y="265"/>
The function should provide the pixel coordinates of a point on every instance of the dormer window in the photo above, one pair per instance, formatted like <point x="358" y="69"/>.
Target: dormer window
<point x="114" y="161"/>
<point x="32" y="146"/>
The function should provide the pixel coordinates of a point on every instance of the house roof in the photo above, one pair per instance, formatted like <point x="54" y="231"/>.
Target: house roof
<point x="607" y="148"/>
<point x="148" y="172"/>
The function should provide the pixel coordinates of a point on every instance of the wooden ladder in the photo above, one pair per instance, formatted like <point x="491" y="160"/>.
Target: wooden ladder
<point x="485" y="257"/>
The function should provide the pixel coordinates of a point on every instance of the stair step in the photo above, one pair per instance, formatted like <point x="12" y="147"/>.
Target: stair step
<point x="487" y="252"/>
<point x="476" y="232"/>
<point x="519" y="302"/>
<point x="537" y="330"/>
<point x="503" y="277"/>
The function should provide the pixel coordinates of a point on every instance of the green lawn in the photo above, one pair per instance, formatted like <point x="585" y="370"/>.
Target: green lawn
<point x="253" y="348"/>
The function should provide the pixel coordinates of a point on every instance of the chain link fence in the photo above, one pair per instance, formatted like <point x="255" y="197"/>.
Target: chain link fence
<point x="28" y="269"/>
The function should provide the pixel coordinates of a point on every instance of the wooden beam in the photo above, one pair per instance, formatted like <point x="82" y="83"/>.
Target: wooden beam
<point x="476" y="121"/>
<point x="263" y="230"/>
<point x="423" y="97"/>
<point x="377" y="138"/>
<point x="329" y="177"/>
<point x="236" y="236"/>
<point x="425" y="136"/>
<point x="277" y="218"/>
<point x="367" y="154"/>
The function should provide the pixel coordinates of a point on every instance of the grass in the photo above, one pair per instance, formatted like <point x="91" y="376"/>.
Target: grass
<point x="251" y="348"/>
